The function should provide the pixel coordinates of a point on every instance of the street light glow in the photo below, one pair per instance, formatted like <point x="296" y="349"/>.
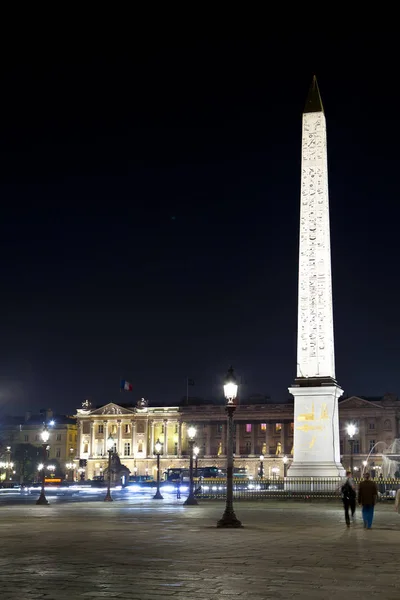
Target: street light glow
<point x="158" y="447"/>
<point x="191" y="432"/>
<point x="351" y="430"/>
<point x="230" y="387"/>
<point x="110" y="442"/>
<point x="45" y="436"/>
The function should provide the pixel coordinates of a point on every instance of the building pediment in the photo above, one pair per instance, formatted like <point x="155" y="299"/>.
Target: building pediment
<point x="356" y="402"/>
<point x="112" y="409"/>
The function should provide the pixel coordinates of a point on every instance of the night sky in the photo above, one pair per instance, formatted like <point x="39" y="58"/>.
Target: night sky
<point x="150" y="200"/>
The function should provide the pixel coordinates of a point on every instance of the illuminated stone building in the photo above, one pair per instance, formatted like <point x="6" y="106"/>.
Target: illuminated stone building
<point x="17" y="431"/>
<point x="261" y="428"/>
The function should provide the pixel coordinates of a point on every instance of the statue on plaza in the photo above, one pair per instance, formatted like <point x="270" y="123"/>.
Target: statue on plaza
<point x="118" y="470"/>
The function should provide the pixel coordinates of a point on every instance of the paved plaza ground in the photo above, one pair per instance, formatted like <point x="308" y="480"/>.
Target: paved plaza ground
<point x="148" y="550"/>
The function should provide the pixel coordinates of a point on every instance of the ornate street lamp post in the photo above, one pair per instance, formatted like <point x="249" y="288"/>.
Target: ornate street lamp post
<point x="229" y="518"/>
<point x="275" y="472"/>
<point x="45" y="438"/>
<point x="70" y="466"/>
<point x="285" y="462"/>
<point x="261" y="468"/>
<point x="110" y="449"/>
<point x="191" y="500"/>
<point x="196" y="451"/>
<point x="351" y="430"/>
<point x="157" y="451"/>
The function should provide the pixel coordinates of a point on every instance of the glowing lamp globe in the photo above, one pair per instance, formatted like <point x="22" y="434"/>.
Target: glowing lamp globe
<point x="230" y="387"/>
<point x="285" y="460"/>
<point x="158" y="447"/>
<point x="191" y="432"/>
<point x="261" y="457"/>
<point x="110" y="442"/>
<point x="351" y="430"/>
<point x="196" y="450"/>
<point x="45" y="436"/>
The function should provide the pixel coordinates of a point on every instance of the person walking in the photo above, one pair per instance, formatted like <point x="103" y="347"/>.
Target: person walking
<point x="367" y="495"/>
<point x="349" y="497"/>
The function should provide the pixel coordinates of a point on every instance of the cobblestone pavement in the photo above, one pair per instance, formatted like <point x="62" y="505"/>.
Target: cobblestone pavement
<point x="150" y="550"/>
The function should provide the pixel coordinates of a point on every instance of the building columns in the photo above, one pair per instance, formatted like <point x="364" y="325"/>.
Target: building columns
<point x="269" y="438"/>
<point x="253" y="438"/>
<point x="105" y="433"/>
<point x="92" y="452"/>
<point x="119" y="438"/>
<point x="133" y="438"/>
<point x="165" y="423"/>
<point x="152" y="441"/>
<point x="79" y="444"/>
<point x="283" y="438"/>
<point x="237" y="445"/>
<point x="208" y="440"/>
<point x="179" y="438"/>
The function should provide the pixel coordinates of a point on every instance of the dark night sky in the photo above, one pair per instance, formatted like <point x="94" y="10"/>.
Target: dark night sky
<point x="150" y="207"/>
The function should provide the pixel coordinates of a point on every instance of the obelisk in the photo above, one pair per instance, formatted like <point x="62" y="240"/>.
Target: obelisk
<point x="316" y="448"/>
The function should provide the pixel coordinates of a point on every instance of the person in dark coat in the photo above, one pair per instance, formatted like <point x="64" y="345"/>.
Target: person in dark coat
<point x="367" y="496"/>
<point x="349" y="497"/>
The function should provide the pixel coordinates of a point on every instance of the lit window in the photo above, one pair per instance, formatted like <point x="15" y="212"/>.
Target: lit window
<point x="127" y="428"/>
<point x="248" y="427"/>
<point x="127" y="449"/>
<point x="140" y="447"/>
<point x="101" y="428"/>
<point x="263" y="427"/>
<point x="278" y="427"/>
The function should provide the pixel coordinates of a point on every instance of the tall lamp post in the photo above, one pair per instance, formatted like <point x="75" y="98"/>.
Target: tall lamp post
<point x="285" y="462"/>
<point x="196" y="451"/>
<point x="10" y="464"/>
<point x="70" y="466"/>
<point x="45" y="438"/>
<point x="191" y="500"/>
<point x="110" y="449"/>
<point x="229" y="518"/>
<point x="351" y="430"/>
<point x="261" y="467"/>
<point x="157" y="451"/>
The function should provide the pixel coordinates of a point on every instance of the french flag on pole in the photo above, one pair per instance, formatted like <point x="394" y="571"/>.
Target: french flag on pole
<point x="125" y="386"/>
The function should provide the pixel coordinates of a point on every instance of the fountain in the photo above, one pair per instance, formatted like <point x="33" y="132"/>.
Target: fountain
<point x="391" y="460"/>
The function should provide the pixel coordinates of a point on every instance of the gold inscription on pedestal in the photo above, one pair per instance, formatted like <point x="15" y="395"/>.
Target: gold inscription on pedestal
<point x="310" y="423"/>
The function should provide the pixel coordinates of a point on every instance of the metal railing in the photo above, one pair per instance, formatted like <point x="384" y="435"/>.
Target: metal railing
<point x="306" y="488"/>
